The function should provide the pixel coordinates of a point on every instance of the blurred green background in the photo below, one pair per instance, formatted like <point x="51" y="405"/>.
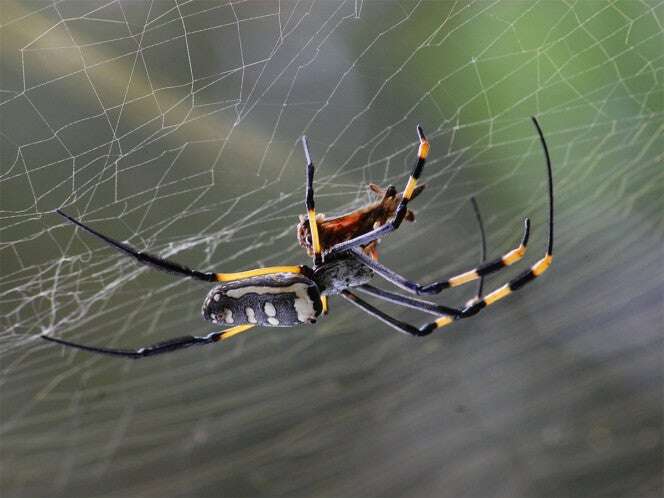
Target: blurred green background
<point x="174" y="125"/>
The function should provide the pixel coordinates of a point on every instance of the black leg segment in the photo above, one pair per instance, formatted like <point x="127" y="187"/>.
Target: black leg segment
<point x="436" y="287"/>
<point x="310" y="205"/>
<point x="402" y="208"/>
<point x="143" y="257"/>
<point x="158" y="348"/>
<point x="409" y="302"/>
<point x="475" y="307"/>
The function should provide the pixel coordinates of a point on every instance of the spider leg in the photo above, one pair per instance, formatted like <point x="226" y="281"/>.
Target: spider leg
<point x="428" y="306"/>
<point x="418" y="304"/>
<point x="402" y="207"/>
<point x="480" y="225"/>
<point x="436" y="287"/>
<point x="160" y="347"/>
<point x="176" y="268"/>
<point x="402" y="327"/>
<point x="311" y="213"/>
<point x="310" y="205"/>
<point x="501" y="292"/>
<point x="527" y="276"/>
<point x="143" y="257"/>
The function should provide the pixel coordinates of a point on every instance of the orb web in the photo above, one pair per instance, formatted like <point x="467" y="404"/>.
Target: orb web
<point x="175" y="126"/>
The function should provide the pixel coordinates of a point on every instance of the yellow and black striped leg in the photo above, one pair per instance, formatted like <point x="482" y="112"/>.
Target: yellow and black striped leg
<point x="446" y="319"/>
<point x="310" y="205"/>
<point x="176" y="268"/>
<point x="422" y="153"/>
<point x="515" y="284"/>
<point x="538" y="268"/>
<point x="160" y="347"/>
<point x="428" y="306"/>
<point x="436" y="287"/>
<point x="501" y="292"/>
<point x="521" y="280"/>
<point x="402" y="208"/>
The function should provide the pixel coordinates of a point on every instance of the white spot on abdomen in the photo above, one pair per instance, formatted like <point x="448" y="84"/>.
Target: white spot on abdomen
<point x="273" y="321"/>
<point x="269" y="309"/>
<point x="228" y="316"/>
<point x="304" y="306"/>
<point x="251" y="316"/>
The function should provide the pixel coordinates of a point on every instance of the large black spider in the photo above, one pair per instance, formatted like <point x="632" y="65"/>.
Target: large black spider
<point x="285" y="296"/>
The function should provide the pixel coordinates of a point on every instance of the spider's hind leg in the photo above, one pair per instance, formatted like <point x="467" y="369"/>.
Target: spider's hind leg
<point x="162" y="347"/>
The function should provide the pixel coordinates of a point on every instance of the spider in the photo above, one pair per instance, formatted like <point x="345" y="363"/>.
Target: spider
<point x="285" y="296"/>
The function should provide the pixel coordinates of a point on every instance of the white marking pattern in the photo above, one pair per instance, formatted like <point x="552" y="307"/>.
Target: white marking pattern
<point x="251" y="315"/>
<point x="269" y="309"/>
<point x="304" y="306"/>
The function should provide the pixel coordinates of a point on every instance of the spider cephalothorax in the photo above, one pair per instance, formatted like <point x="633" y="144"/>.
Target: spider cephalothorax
<point x="340" y="273"/>
<point x="285" y="296"/>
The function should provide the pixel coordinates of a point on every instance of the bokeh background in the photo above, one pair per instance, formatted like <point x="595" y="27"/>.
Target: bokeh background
<point x="174" y="125"/>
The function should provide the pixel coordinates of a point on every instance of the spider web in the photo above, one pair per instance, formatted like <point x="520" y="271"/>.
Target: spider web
<point x="174" y="125"/>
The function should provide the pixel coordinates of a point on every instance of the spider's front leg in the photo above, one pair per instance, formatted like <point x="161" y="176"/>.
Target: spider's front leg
<point x="527" y="276"/>
<point x="479" y="303"/>
<point x="173" y="267"/>
<point x="310" y="205"/>
<point x="462" y="278"/>
<point x="402" y="208"/>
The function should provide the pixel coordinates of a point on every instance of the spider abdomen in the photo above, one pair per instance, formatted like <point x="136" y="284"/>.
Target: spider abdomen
<point x="277" y="300"/>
